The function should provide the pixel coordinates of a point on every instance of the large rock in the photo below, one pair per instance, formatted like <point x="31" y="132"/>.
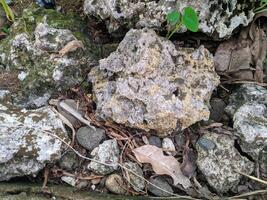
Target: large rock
<point x="147" y="83"/>
<point x="26" y="143"/>
<point x="30" y="56"/>
<point x="217" y="18"/>
<point x="248" y="108"/>
<point x="218" y="159"/>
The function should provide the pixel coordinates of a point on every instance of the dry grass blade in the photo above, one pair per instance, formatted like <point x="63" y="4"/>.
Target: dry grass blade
<point x="252" y="177"/>
<point x="257" y="192"/>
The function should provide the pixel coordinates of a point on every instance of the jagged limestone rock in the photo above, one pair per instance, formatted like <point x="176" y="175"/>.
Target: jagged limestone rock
<point x="148" y="84"/>
<point x="219" y="161"/>
<point x="248" y="108"/>
<point x="217" y="18"/>
<point x="26" y="143"/>
<point x="30" y="55"/>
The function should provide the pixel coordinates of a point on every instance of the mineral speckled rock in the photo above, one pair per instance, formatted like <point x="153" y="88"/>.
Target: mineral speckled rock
<point x="218" y="159"/>
<point x="30" y="54"/>
<point x="248" y="108"/>
<point x="25" y="145"/>
<point x="137" y="183"/>
<point x="250" y="122"/>
<point x="147" y="83"/>
<point x="108" y="152"/>
<point x="217" y="18"/>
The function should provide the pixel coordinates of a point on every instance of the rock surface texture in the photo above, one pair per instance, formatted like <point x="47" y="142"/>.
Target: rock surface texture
<point x="108" y="152"/>
<point x="217" y="18"/>
<point x="44" y="53"/>
<point x="218" y="159"/>
<point x="248" y="108"/>
<point x="147" y="83"/>
<point x="25" y="145"/>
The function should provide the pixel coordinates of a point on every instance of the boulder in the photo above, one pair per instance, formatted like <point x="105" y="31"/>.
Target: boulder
<point x="149" y="84"/>
<point x="217" y="18"/>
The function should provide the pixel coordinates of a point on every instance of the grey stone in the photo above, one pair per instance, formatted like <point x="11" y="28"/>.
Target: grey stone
<point x="89" y="138"/>
<point x="115" y="184"/>
<point x="69" y="161"/>
<point x="246" y="93"/>
<point x="248" y="108"/>
<point x="161" y="183"/>
<point x="154" y="140"/>
<point x="148" y="84"/>
<point x="168" y="146"/>
<point x="217" y="109"/>
<point x="137" y="183"/>
<point x="217" y="18"/>
<point x="108" y="153"/>
<point x="218" y="164"/>
<point x="26" y="143"/>
<point x="250" y="122"/>
<point x="30" y="54"/>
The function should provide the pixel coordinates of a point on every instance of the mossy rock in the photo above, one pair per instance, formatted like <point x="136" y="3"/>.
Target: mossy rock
<point x="30" y="55"/>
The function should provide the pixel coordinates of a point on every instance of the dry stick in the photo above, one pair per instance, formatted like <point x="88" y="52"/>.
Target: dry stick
<point x="112" y="165"/>
<point x="77" y="115"/>
<point x="248" y="194"/>
<point x="252" y="177"/>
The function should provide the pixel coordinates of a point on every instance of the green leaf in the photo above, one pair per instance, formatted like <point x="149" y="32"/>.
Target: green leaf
<point x="190" y="19"/>
<point x="173" y="17"/>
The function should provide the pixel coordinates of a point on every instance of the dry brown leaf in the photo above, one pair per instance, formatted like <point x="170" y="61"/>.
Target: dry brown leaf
<point x="161" y="164"/>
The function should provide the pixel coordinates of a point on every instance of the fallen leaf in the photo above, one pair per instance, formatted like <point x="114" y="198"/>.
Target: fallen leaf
<point x="161" y="164"/>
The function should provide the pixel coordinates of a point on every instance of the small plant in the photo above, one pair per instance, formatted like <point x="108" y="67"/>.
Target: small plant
<point x="8" y="11"/>
<point x="188" y="18"/>
<point x="262" y="8"/>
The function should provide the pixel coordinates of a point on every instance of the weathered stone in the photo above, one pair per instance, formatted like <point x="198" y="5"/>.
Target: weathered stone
<point x="89" y="138"/>
<point x="246" y="93"/>
<point x="248" y="108"/>
<point x="115" y="184"/>
<point x="69" y="161"/>
<point x="30" y="54"/>
<point x="161" y="183"/>
<point x="218" y="164"/>
<point x="217" y="18"/>
<point x="108" y="153"/>
<point x="250" y="122"/>
<point x="137" y="183"/>
<point x="147" y="83"/>
<point x="26" y="143"/>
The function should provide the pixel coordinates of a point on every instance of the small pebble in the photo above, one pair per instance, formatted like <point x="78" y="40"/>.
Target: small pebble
<point x="154" y="140"/>
<point x="115" y="184"/>
<point x="206" y="144"/>
<point x="137" y="183"/>
<point x="69" y="180"/>
<point x="168" y="146"/>
<point x="89" y="138"/>
<point x="69" y="161"/>
<point x="162" y="183"/>
<point x="217" y="109"/>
